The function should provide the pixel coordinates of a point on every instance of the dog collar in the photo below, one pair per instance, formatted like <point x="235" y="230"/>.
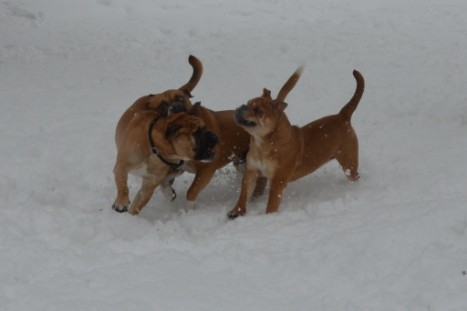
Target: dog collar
<point x="154" y="149"/>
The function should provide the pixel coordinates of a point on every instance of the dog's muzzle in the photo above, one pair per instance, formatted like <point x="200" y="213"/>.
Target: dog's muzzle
<point x="176" y="106"/>
<point x="239" y="116"/>
<point x="205" y="143"/>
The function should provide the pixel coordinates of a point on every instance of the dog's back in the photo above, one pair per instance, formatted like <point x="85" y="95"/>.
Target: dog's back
<point x="333" y="137"/>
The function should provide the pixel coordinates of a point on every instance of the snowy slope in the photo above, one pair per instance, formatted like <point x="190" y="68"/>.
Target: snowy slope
<point x="395" y="240"/>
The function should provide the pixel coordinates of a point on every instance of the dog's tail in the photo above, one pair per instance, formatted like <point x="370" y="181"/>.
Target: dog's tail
<point x="348" y="109"/>
<point x="195" y="77"/>
<point x="289" y="85"/>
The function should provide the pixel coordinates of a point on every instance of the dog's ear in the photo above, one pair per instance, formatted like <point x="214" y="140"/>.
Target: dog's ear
<point x="266" y="93"/>
<point x="279" y="105"/>
<point x="195" y="109"/>
<point x="187" y="93"/>
<point x="171" y="130"/>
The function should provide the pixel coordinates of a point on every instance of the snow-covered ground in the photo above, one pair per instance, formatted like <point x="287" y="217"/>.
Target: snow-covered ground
<point x="395" y="240"/>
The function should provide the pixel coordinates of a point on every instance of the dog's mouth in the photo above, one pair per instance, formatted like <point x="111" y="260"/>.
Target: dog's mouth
<point x="240" y="119"/>
<point x="206" y="141"/>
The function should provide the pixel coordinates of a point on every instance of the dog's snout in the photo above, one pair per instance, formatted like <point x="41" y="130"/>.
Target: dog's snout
<point x="240" y="118"/>
<point x="177" y="106"/>
<point x="211" y="139"/>
<point x="241" y="109"/>
<point x="206" y="141"/>
<point x="239" y="112"/>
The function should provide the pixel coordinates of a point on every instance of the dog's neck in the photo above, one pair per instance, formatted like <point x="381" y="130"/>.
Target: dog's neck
<point x="271" y="139"/>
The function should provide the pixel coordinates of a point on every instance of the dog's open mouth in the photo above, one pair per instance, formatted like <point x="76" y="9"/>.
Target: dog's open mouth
<point x="240" y="119"/>
<point x="207" y="156"/>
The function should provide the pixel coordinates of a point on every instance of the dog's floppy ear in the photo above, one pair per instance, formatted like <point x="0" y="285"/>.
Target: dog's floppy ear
<point x="278" y="105"/>
<point x="171" y="130"/>
<point x="195" y="108"/>
<point x="187" y="93"/>
<point x="266" y="93"/>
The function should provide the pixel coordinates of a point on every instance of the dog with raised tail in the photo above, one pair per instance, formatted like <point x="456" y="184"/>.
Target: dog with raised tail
<point x="233" y="146"/>
<point x="284" y="153"/>
<point x="154" y="136"/>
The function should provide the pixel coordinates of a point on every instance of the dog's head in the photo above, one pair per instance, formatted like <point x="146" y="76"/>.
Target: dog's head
<point x="177" y="100"/>
<point x="260" y="115"/>
<point x="170" y="102"/>
<point x="189" y="137"/>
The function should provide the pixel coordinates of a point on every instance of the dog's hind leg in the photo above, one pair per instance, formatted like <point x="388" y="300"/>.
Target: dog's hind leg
<point x="347" y="156"/>
<point x="122" y="201"/>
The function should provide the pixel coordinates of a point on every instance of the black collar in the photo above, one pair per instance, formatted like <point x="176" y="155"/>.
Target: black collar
<point x="154" y="149"/>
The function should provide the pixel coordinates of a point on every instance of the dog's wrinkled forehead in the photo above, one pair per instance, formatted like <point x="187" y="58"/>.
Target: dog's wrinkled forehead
<point x="183" y="124"/>
<point x="263" y="100"/>
<point x="176" y="101"/>
<point x="188" y="122"/>
<point x="258" y="101"/>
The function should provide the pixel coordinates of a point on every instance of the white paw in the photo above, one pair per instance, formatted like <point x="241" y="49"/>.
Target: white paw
<point x="191" y="204"/>
<point x="169" y="193"/>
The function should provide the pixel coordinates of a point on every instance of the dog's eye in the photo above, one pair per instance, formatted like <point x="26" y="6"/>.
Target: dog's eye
<point x="172" y="129"/>
<point x="179" y="99"/>
<point x="257" y="110"/>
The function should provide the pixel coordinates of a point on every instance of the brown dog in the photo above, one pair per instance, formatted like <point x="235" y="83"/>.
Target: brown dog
<point x="148" y="125"/>
<point x="177" y="99"/>
<point x="152" y="145"/>
<point x="284" y="153"/>
<point x="233" y="145"/>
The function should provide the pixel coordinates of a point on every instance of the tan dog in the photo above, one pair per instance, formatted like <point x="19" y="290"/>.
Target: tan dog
<point x="175" y="138"/>
<point x="177" y="99"/>
<point x="284" y="153"/>
<point x="233" y="145"/>
<point x="152" y="145"/>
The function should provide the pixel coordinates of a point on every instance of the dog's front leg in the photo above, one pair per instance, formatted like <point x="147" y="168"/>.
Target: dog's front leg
<point x="278" y="184"/>
<point x="201" y="180"/>
<point x="248" y="184"/>
<point x="122" y="201"/>
<point x="167" y="182"/>
<point x="144" y="194"/>
<point x="261" y="183"/>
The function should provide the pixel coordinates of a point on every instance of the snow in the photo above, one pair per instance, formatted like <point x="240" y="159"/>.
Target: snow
<point x="394" y="240"/>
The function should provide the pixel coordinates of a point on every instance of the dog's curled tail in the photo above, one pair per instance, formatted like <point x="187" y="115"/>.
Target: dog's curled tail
<point x="290" y="84"/>
<point x="195" y="77"/>
<point x="348" y="109"/>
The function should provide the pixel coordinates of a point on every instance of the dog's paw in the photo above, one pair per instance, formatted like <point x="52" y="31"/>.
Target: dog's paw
<point x="133" y="211"/>
<point x="169" y="193"/>
<point x="235" y="213"/>
<point x="120" y="208"/>
<point x="191" y="204"/>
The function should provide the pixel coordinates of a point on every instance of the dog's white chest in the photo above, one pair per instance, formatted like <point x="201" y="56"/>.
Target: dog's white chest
<point x="263" y="166"/>
<point x="140" y="171"/>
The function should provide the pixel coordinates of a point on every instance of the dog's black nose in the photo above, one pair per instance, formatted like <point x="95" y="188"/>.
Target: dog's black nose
<point x="177" y="106"/>
<point x="206" y="141"/>
<point x="211" y="139"/>
<point x="240" y="119"/>
<point x="239" y="112"/>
